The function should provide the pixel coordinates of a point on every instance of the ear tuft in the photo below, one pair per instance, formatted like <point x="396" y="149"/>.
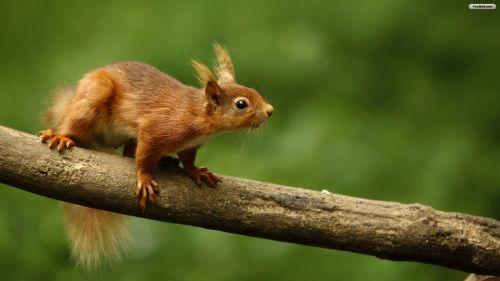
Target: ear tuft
<point x="203" y="73"/>
<point x="223" y="67"/>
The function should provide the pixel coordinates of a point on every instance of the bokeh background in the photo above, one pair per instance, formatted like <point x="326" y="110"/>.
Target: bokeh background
<point x="388" y="100"/>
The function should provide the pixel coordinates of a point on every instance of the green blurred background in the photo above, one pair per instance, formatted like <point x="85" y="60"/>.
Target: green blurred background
<point x="388" y="100"/>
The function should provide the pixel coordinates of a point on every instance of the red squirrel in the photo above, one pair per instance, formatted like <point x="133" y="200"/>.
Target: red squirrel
<point x="152" y="115"/>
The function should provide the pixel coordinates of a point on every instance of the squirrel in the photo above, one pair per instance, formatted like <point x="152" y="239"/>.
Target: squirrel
<point x="152" y="115"/>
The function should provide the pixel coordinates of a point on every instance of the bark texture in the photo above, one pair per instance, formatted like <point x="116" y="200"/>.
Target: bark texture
<point x="388" y="230"/>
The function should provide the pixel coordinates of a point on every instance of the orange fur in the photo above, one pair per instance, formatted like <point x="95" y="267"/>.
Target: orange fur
<point x="132" y="102"/>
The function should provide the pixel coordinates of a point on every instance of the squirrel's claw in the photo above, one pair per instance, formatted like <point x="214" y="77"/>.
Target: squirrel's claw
<point x="146" y="191"/>
<point x="45" y="135"/>
<point x="201" y="175"/>
<point x="209" y="178"/>
<point x="61" y="142"/>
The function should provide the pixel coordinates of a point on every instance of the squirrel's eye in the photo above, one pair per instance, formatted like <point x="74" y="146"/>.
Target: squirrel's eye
<point x="241" y="104"/>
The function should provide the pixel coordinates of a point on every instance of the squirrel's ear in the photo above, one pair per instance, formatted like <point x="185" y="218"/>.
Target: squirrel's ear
<point x="203" y="73"/>
<point x="223" y="67"/>
<point x="213" y="91"/>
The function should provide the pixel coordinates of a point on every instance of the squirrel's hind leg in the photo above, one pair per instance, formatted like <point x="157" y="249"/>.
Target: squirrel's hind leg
<point x="90" y="105"/>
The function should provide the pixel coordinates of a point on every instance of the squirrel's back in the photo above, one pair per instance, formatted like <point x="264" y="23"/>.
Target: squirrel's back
<point x="133" y="76"/>
<point x="140" y="89"/>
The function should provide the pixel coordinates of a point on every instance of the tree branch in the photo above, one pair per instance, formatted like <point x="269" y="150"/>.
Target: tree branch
<point x="386" y="230"/>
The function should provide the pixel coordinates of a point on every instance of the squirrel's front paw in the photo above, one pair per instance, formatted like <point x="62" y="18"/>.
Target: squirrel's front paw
<point x="53" y="140"/>
<point x="203" y="175"/>
<point x="146" y="190"/>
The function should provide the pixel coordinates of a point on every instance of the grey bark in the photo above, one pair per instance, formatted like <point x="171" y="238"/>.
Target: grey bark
<point x="388" y="230"/>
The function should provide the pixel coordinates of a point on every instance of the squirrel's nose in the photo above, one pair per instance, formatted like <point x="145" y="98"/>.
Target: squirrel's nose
<point x="269" y="110"/>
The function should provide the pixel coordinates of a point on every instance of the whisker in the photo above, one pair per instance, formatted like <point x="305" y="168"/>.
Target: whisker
<point x="237" y="139"/>
<point x="258" y="132"/>
<point x="245" y="139"/>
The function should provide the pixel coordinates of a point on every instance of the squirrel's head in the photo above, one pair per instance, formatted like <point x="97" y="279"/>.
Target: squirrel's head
<point x="232" y="106"/>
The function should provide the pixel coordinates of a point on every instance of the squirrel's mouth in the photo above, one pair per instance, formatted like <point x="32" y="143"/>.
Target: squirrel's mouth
<point x="256" y="120"/>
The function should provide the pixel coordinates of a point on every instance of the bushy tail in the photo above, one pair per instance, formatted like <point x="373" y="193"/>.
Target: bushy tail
<point x="96" y="236"/>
